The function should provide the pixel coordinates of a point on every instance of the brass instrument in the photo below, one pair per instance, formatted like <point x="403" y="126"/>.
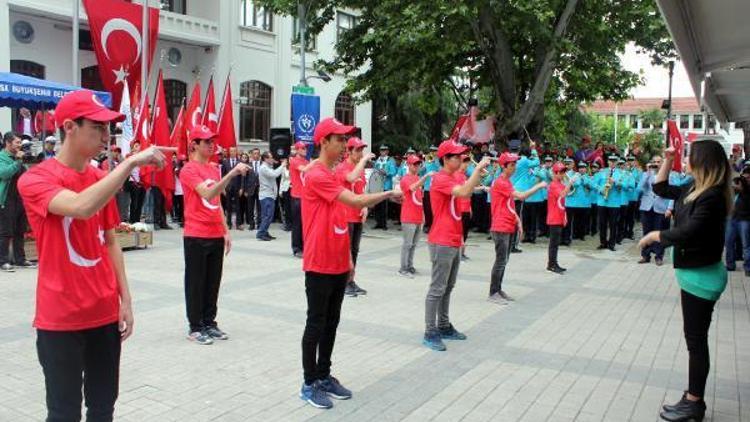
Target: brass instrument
<point x="476" y="164"/>
<point x="569" y="182"/>
<point x="608" y="185"/>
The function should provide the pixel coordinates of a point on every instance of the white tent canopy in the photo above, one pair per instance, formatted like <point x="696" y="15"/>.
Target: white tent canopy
<point x="712" y="36"/>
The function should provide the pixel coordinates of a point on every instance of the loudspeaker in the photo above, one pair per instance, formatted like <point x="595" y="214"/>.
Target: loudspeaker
<point x="281" y="142"/>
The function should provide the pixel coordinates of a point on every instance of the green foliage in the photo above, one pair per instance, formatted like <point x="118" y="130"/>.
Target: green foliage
<point x="603" y="129"/>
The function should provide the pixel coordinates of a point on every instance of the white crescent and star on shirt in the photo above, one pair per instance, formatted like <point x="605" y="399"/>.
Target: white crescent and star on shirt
<point x="73" y="255"/>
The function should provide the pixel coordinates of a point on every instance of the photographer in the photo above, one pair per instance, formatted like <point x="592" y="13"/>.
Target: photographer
<point x="12" y="213"/>
<point x="739" y="222"/>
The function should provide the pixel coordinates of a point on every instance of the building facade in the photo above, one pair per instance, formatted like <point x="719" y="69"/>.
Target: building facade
<point x="197" y="39"/>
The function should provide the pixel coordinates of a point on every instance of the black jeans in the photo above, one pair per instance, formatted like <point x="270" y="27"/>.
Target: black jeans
<point x="594" y="214"/>
<point x="502" y="252"/>
<point x="608" y="220"/>
<point x="381" y="214"/>
<point x="297" y="242"/>
<point x="427" y="210"/>
<point x="159" y="213"/>
<point x="325" y="293"/>
<point x="137" y="195"/>
<point x="74" y="359"/>
<point x="696" y="319"/>
<point x="204" y="260"/>
<point x="178" y="208"/>
<point x="232" y="206"/>
<point x="253" y="210"/>
<point x="286" y="209"/>
<point x="465" y="224"/>
<point x="530" y="219"/>
<point x="12" y="228"/>
<point x="555" y="234"/>
<point x="519" y="205"/>
<point x="355" y="236"/>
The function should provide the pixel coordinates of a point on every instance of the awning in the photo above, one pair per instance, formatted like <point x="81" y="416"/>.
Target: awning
<point x="713" y="36"/>
<point x="24" y="91"/>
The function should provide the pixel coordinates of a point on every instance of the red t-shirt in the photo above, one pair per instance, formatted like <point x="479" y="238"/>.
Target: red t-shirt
<point x="464" y="204"/>
<point x="556" y="205"/>
<point x="504" y="217"/>
<point x="76" y="285"/>
<point x="411" y="208"/>
<point x="352" y="214"/>
<point x="295" y="176"/>
<point x="446" y="227"/>
<point x="203" y="218"/>
<point x="324" y="226"/>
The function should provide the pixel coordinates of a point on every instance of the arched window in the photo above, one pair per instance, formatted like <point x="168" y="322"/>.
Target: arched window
<point x="344" y="109"/>
<point x="90" y="79"/>
<point x="255" y="110"/>
<point x="25" y="67"/>
<point x="175" y="91"/>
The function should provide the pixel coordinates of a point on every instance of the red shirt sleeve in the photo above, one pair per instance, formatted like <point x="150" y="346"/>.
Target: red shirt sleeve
<point x="38" y="190"/>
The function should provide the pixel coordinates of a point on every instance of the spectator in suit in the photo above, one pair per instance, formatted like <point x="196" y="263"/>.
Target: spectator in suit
<point x="253" y="203"/>
<point x="233" y="189"/>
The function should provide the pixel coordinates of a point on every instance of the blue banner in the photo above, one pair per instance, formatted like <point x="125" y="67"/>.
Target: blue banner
<point x="305" y="116"/>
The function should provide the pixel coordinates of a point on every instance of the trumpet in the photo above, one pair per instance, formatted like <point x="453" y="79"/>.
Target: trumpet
<point x="569" y="181"/>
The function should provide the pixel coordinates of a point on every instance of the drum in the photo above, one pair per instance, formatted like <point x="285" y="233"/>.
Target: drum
<point x="375" y="182"/>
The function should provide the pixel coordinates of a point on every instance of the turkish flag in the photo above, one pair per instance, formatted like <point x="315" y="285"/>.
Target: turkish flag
<point x="210" y="118"/>
<point x="116" y="33"/>
<point x="226" y="136"/>
<point x="164" y="178"/>
<point x="194" y="112"/>
<point x="143" y="136"/>
<point x="677" y="142"/>
<point x="179" y="135"/>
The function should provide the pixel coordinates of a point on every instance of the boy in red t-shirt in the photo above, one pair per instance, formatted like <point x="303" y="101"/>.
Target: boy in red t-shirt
<point x="83" y="303"/>
<point x="351" y="175"/>
<point x="556" y="218"/>
<point x="445" y="240"/>
<point x="412" y="215"/>
<point x="206" y="237"/>
<point x="298" y="164"/>
<point x="327" y="261"/>
<point x="505" y="222"/>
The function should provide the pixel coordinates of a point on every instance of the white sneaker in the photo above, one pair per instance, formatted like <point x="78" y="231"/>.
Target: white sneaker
<point x="406" y="274"/>
<point x="7" y="268"/>
<point x="497" y="299"/>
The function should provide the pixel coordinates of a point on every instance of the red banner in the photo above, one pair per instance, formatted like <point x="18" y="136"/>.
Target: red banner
<point x="677" y="142"/>
<point x="226" y="136"/>
<point x="210" y="118"/>
<point x="116" y="33"/>
<point x="164" y="178"/>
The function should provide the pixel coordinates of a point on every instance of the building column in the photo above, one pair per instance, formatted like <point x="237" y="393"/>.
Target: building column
<point x="5" y="116"/>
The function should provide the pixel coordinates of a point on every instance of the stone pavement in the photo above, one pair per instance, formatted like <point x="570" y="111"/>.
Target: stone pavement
<point x="601" y="343"/>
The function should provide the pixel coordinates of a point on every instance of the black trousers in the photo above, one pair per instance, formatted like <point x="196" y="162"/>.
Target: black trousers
<point x="567" y="231"/>
<point x="74" y="360"/>
<point x="286" y="209"/>
<point x="530" y="218"/>
<point x="325" y="293"/>
<point x="466" y="224"/>
<point x="178" y="208"/>
<point x="355" y="238"/>
<point x="297" y="242"/>
<point x="621" y="223"/>
<point x="480" y="215"/>
<point x="253" y="210"/>
<point x="12" y="228"/>
<point x="159" y="213"/>
<point x="696" y="319"/>
<point x="381" y="214"/>
<point x="204" y="260"/>
<point x="555" y="234"/>
<point x="579" y="223"/>
<point x="427" y="210"/>
<point x="541" y="222"/>
<point x="232" y="206"/>
<point x="630" y="219"/>
<point x="608" y="217"/>
<point x="519" y="205"/>
<point x="137" y="195"/>
<point x="594" y="225"/>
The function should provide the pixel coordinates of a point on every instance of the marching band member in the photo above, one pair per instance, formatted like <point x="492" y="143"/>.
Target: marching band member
<point x="570" y="174"/>
<point x="607" y="181"/>
<point x="387" y="167"/>
<point x="578" y="202"/>
<point x="594" y="199"/>
<point x="633" y="194"/>
<point x="522" y="180"/>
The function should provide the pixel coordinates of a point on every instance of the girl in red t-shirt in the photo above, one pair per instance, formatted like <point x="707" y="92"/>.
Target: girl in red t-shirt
<point x="556" y="218"/>
<point x="412" y="214"/>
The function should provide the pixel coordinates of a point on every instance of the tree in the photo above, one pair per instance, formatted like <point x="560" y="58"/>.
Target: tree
<point x="528" y="53"/>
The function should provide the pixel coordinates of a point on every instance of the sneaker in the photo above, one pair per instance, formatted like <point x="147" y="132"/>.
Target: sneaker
<point x="334" y="389"/>
<point x="554" y="269"/>
<point x="685" y="410"/>
<point x="298" y="255"/>
<point x="497" y="299"/>
<point x="359" y="290"/>
<point x="505" y="296"/>
<point x="200" y="337"/>
<point x="406" y="274"/>
<point x="413" y="271"/>
<point x="561" y="268"/>
<point x="450" y="333"/>
<point x="315" y="395"/>
<point x="216" y="334"/>
<point x="26" y="264"/>
<point x="464" y="257"/>
<point x="515" y="250"/>
<point x="7" y="268"/>
<point x="350" y="291"/>
<point x="433" y="341"/>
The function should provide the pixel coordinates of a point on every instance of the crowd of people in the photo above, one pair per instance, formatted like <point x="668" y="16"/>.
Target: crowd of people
<point x="516" y="196"/>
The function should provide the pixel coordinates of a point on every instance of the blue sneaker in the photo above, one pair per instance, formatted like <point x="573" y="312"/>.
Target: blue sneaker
<point x="315" y="395"/>
<point x="433" y="341"/>
<point x="334" y="389"/>
<point x="450" y="333"/>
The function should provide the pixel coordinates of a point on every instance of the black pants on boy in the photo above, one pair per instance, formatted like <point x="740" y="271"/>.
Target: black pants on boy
<point x="555" y="234"/>
<point x="137" y="195"/>
<point x="325" y="293"/>
<point x="73" y="359"/>
<point x="696" y="318"/>
<point x="297" y="244"/>
<point x="427" y="211"/>
<point x="204" y="260"/>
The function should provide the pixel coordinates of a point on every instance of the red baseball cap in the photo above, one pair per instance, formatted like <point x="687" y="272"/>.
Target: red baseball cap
<point x="558" y="167"/>
<point x="201" y="132"/>
<point x="354" y="143"/>
<point x="84" y="103"/>
<point x="450" y="146"/>
<point x="413" y="159"/>
<point x="331" y="126"/>
<point x="508" y="157"/>
<point x="300" y="145"/>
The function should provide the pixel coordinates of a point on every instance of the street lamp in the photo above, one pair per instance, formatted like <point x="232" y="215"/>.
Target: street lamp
<point x="302" y="22"/>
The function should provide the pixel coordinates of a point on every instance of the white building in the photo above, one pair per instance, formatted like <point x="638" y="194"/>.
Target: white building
<point x="198" y="38"/>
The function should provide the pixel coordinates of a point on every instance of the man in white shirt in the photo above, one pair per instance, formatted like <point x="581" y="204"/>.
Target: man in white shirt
<point x="267" y="194"/>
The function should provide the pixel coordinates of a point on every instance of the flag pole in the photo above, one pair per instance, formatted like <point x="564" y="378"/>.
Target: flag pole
<point x="145" y="49"/>
<point x="76" y="26"/>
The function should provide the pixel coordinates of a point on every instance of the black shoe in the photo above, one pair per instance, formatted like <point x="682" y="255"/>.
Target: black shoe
<point x="272" y="237"/>
<point x="685" y="410"/>
<point x="600" y="247"/>
<point x="561" y="268"/>
<point x="730" y="268"/>
<point x="298" y="254"/>
<point x="358" y="290"/>
<point x="565" y="244"/>
<point x="515" y="250"/>
<point x="555" y="269"/>
<point x="350" y="290"/>
<point x="611" y="248"/>
<point x="264" y="239"/>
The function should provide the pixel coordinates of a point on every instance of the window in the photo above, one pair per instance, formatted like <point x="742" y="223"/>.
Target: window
<point x="255" y="16"/>
<point x="344" y="22"/>
<point x="175" y="92"/>
<point x="255" y="110"/>
<point x="697" y="121"/>
<point x="23" y="67"/>
<point x="312" y="42"/>
<point x="634" y="121"/>
<point x="684" y="121"/>
<point x="175" y="6"/>
<point x="344" y="109"/>
<point x="90" y="79"/>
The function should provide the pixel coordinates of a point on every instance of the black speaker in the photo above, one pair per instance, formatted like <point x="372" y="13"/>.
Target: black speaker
<point x="281" y="142"/>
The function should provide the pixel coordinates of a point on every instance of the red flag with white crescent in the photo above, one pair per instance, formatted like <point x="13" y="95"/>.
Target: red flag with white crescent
<point x="210" y="117"/>
<point x="226" y="136"/>
<point x="179" y="135"/>
<point x="164" y="178"/>
<point x="194" y="112"/>
<point x="677" y="142"/>
<point x="116" y="33"/>
<point x="143" y="136"/>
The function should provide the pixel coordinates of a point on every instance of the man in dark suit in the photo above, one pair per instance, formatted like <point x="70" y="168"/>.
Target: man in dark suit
<point x="251" y="184"/>
<point x="233" y="189"/>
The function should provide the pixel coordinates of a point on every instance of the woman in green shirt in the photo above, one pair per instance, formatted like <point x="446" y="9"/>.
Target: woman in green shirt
<point x="701" y="210"/>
